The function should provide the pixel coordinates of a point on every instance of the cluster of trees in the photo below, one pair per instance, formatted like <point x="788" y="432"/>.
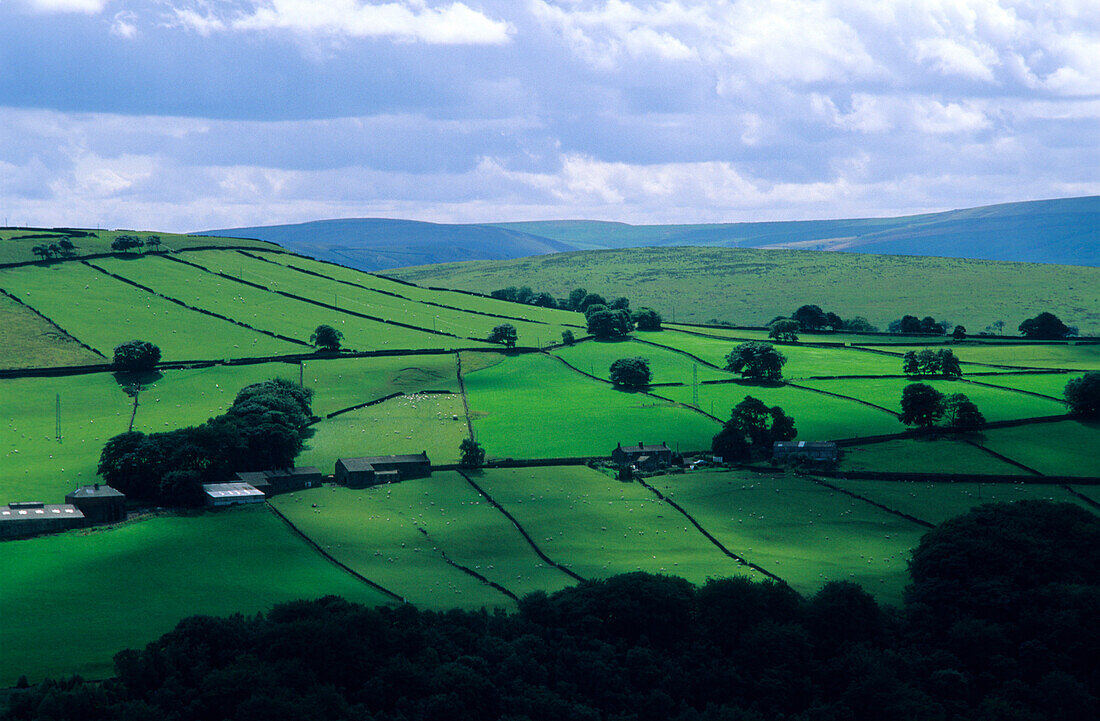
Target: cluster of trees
<point x="1046" y="326"/>
<point x="928" y="362"/>
<point x="1083" y="395"/>
<point x="751" y="430"/>
<point x="505" y="334"/>
<point x="630" y="373"/>
<point x="811" y="317"/>
<point x="265" y="427"/>
<point x="135" y="356"/>
<point x="470" y="454"/>
<point x="130" y="242"/>
<point x="998" y="623"/>
<point x="606" y="318"/>
<point x="923" y="406"/>
<point x="325" y="337"/>
<point x="913" y="324"/>
<point x="62" y="248"/>
<point x="760" y="361"/>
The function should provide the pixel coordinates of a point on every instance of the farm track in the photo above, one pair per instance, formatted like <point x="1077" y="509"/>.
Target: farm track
<point x="707" y="534"/>
<point x="522" y="531"/>
<point x="328" y="556"/>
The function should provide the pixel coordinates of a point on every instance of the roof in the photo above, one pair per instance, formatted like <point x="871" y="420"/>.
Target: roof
<point x="804" y="445"/>
<point x="366" y="463"/>
<point x="646" y="448"/>
<point x="302" y="471"/>
<point x="20" y="511"/>
<point x="95" y="491"/>
<point x="252" y="476"/>
<point x="231" y="490"/>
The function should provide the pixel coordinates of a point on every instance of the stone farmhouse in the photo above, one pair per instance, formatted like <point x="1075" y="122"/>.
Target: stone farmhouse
<point x="817" y="451"/>
<point x="373" y="470"/>
<point x="642" y="456"/>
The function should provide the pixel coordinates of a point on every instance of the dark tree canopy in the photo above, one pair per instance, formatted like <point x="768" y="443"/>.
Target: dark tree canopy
<point x="756" y="360"/>
<point x="326" y="337"/>
<point x="1045" y="326"/>
<point x="504" y="333"/>
<point x="567" y="337"/>
<point x="810" y="317"/>
<point x="784" y="329"/>
<point x="646" y="319"/>
<point x="921" y="405"/>
<point x="136" y="355"/>
<point x="590" y="300"/>
<point x="604" y="324"/>
<point x="1083" y="395"/>
<point x="962" y="413"/>
<point x="929" y="362"/>
<point x="630" y="372"/>
<point x="575" y="297"/>
<point x="751" y="430"/>
<point x="471" y="454"/>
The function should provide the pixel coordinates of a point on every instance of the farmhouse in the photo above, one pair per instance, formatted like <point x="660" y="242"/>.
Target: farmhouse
<point x="226" y="494"/>
<point x="646" y="457"/>
<point x="99" y="503"/>
<point x="373" y="470"/>
<point x="283" y="480"/>
<point x="820" y="451"/>
<point x="19" y="520"/>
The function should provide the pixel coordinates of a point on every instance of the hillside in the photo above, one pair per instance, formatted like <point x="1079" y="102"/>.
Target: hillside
<point x="1065" y="231"/>
<point x="750" y="287"/>
<point x="380" y="243"/>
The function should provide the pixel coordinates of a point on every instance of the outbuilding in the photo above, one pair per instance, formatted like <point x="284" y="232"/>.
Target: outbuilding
<point x="20" y="520"/>
<point x="816" y="451"/>
<point x="283" y="480"/>
<point x="99" y="503"/>
<point x="227" y="494"/>
<point x="373" y="470"/>
<point x="644" y="456"/>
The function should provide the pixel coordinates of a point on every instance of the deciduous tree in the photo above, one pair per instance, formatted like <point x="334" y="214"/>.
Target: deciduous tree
<point x="784" y="329"/>
<point x="630" y="372"/>
<point x="136" y="355"/>
<point x="756" y="360"/>
<point x="921" y="405"/>
<point x="646" y="319"/>
<point x="504" y="333"/>
<point x="326" y="337"/>
<point x="471" y="454"/>
<point x="1045" y="326"/>
<point x="1083" y="395"/>
<point x="751" y="430"/>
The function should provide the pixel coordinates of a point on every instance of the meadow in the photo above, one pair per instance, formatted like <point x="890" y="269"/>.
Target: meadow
<point x="1066" y="356"/>
<point x="1048" y="384"/>
<point x="82" y="595"/>
<point x="29" y="341"/>
<point x="596" y="357"/>
<point x="1068" y="448"/>
<point x="923" y="455"/>
<point x="16" y="243"/>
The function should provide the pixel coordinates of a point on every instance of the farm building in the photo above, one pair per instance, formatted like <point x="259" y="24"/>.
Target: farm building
<point x="19" y="520"/>
<point x="646" y="457"/>
<point x="99" y="503"/>
<point x="226" y="494"/>
<point x="373" y="470"/>
<point x="283" y="480"/>
<point x="821" y="451"/>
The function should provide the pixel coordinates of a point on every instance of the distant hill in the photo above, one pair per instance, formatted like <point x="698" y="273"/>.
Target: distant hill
<point x="380" y="243"/>
<point x="1064" y="231"/>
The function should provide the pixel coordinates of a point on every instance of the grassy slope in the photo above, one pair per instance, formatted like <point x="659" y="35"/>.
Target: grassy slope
<point x="925" y="456"/>
<point x="79" y="597"/>
<point x="29" y="341"/>
<point x="1056" y="449"/>
<point x="18" y="250"/>
<point x="750" y="287"/>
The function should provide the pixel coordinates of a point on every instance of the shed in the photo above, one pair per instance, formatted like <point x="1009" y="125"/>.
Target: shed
<point x="19" y="520"/>
<point x="99" y="503"/>
<point x="372" y="470"/>
<point x="226" y="494"/>
<point x="283" y="480"/>
<point x="818" y="451"/>
<point x="655" y="455"/>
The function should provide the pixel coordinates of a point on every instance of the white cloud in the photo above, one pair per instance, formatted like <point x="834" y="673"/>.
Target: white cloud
<point x="89" y="7"/>
<point x="125" y="25"/>
<point x="886" y="113"/>
<point x="411" y="20"/>
<point x="951" y="57"/>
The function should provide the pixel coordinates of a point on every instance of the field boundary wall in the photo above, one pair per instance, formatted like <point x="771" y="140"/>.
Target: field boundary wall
<point x="957" y="477"/>
<point x="864" y="499"/>
<point x="52" y="322"/>
<point x="385" y="398"/>
<point x="466" y="569"/>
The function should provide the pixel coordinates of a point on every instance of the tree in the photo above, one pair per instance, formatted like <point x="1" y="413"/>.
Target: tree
<point x="909" y="364"/>
<point x="784" y="329"/>
<point x="504" y="333"/>
<point x="620" y="303"/>
<point x="326" y="337"/>
<point x="1083" y="395"/>
<point x="810" y="317"/>
<point x="630" y="372"/>
<point x="126" y="242"/>
<point x="508" y="293"/>
<point x="567" y="337"/>
<point x="751" y="430"/>
<point x="544" y="300"/>
<point x="41" y="251"/>
<point x="1045" y="326"/>
<point x="959" y="333"/>
<point x="756" y="360"/>
<point x="590" y="300"/>
<point x="67" y="247"/>
<point x="962" y="413"/>
<point x="930" y="325"/>
<point x="153" y="241"/>
<point x="834" y="321"/>
<point x="907" y="324"/>
<point x="136" y="355"/>
<point x="605" y="324"/>
<point x="949" y="365"/>
<point x="859" y="324"/>
<point x="471" y="454"/>
<point x="921" y="405"/>
<point x="646" y="319"/>
<point x="575" y="297"/>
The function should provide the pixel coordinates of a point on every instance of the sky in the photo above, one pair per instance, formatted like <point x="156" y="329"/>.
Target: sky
<point x="181" y="115"/>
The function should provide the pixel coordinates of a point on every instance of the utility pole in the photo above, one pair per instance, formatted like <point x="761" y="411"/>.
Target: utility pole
<point x="57" y="414"/>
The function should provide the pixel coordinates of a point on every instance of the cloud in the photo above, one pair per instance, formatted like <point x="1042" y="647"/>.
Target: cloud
<point x="125" y="25"/>
<point x="89" y="7"/>
<point x="886" y="113"/>
<point x="452" y="24"/>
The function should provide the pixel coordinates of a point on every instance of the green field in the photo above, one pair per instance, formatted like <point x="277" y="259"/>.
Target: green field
<point x="922" y="455"/>
<point x="937" y="502"/>
<point x="1048" y="384"/>
<point x="1082" y="356"/>
<point x="599" y="527"/>
<point x="803" y="532"/>
<point x="596" y="357"/>
<point x="1068" y="448"/>
<point x="532" y="406"/>
<point x="406" y="424"/>
<point x="29" y="341"/>
<point x="104" y="312"/>
<point x="750" y="287"/>
<point x="81" y="596"/>
<point x="16" y="249"/>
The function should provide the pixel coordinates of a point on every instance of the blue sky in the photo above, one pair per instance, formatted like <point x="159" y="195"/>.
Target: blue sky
<point x="191" y="114"/>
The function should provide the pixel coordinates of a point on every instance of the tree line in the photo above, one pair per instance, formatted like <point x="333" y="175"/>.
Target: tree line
<point x="997" y="624"/>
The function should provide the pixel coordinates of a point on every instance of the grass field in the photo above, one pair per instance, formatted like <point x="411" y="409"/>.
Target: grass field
<point x="817" y="416"/>
<point x="596" y="357"/>
<point x="599" y="527"/>
<point x="937" y="502"/>
<point x="995" y="404"/>
<point x="803" y="532"/>
<point x="375" y="531"/>
<point x="920" y="455"/>
<point x="1068" y="448"/>
<point x="406" y="424"/>
<point x="368" y="302"/>
<point x="1027" y="355"/>
<point x="81" y="596"/>
<point x="29" y="341"/>
<point x="532" y="406"/>
<point x="104" y="312"/>
<point x="16" y="249"/>
<point x="750" y="287"/>
<point x="1049" y="384"/>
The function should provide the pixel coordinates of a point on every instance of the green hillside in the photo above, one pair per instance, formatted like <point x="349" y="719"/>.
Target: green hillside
<point x="750" y="287"/>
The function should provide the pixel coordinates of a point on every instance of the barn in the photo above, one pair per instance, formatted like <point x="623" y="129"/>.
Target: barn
<point x="99" y="503"/>
<point x="283" y="480"/>
<point x="19" y="520"/>
<point x="227" y="494"/>
<point x="817" y="451"/>
<point x="644" y="456"/>
<point x="373" y="470"/>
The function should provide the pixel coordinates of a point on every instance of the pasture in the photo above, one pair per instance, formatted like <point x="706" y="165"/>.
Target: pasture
<point x="16" y="243"/>
<point x="598" y="527"/>
<point x="923" y="455"/>
<point x="1068" y="448"/>
<point x="533" y="406"/>
<point x="596" y="357"/>
<point x="29" y="341"/>
<point x="81" y="596"/>
<point x="1048" y="384"/>
<point x="1065" y="356"/>
<point x="803" y="532"/>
